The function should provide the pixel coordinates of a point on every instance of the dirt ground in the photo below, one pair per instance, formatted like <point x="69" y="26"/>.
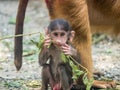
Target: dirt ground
<point x="106" y="53"/>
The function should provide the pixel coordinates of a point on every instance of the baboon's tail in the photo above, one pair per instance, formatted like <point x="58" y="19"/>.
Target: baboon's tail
<point x="19" y="30"/>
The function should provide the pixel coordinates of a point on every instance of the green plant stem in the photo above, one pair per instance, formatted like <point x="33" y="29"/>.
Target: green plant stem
<point x="79" y="64"/>
<point x="19" y="35"/>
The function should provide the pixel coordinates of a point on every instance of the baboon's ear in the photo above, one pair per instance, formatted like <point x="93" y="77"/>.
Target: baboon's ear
<point x="72" y="35"/>
<point x="46" y="31"/>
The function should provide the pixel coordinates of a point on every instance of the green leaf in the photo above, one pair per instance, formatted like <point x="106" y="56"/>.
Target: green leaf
<point x="39" y="44"/>
<point x="79" y="72"/>
<point x="41" y="40"/>
<point x="74" y="77"/>
<point x="34" y="42"/>
<point x="87" y="82"/>
<point x="63" y="57"/>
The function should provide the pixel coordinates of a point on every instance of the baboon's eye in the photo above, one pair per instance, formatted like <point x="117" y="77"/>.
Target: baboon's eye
<point x="56" y="34"/>
<point x="62" y="34"/>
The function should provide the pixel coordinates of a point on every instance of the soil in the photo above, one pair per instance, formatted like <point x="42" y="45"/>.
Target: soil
<point x="106" y="53"/>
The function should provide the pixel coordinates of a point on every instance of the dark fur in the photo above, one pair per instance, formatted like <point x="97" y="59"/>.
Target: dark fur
<point x="56" y="72"/>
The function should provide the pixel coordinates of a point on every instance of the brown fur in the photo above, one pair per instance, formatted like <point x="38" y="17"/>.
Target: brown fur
<point x="104" y="16"/>
<point x="19" y="30"/>
<point x="56" y="72"/>
<point x="85" y="16"/>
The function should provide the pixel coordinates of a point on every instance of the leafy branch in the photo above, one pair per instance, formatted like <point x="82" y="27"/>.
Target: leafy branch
<point x="78" y="70"/>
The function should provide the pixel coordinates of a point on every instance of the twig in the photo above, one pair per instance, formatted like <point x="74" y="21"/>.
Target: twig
<point x="19" y="35"/>
<point x="29" y="54"/>
<point x="79" y="64"/>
